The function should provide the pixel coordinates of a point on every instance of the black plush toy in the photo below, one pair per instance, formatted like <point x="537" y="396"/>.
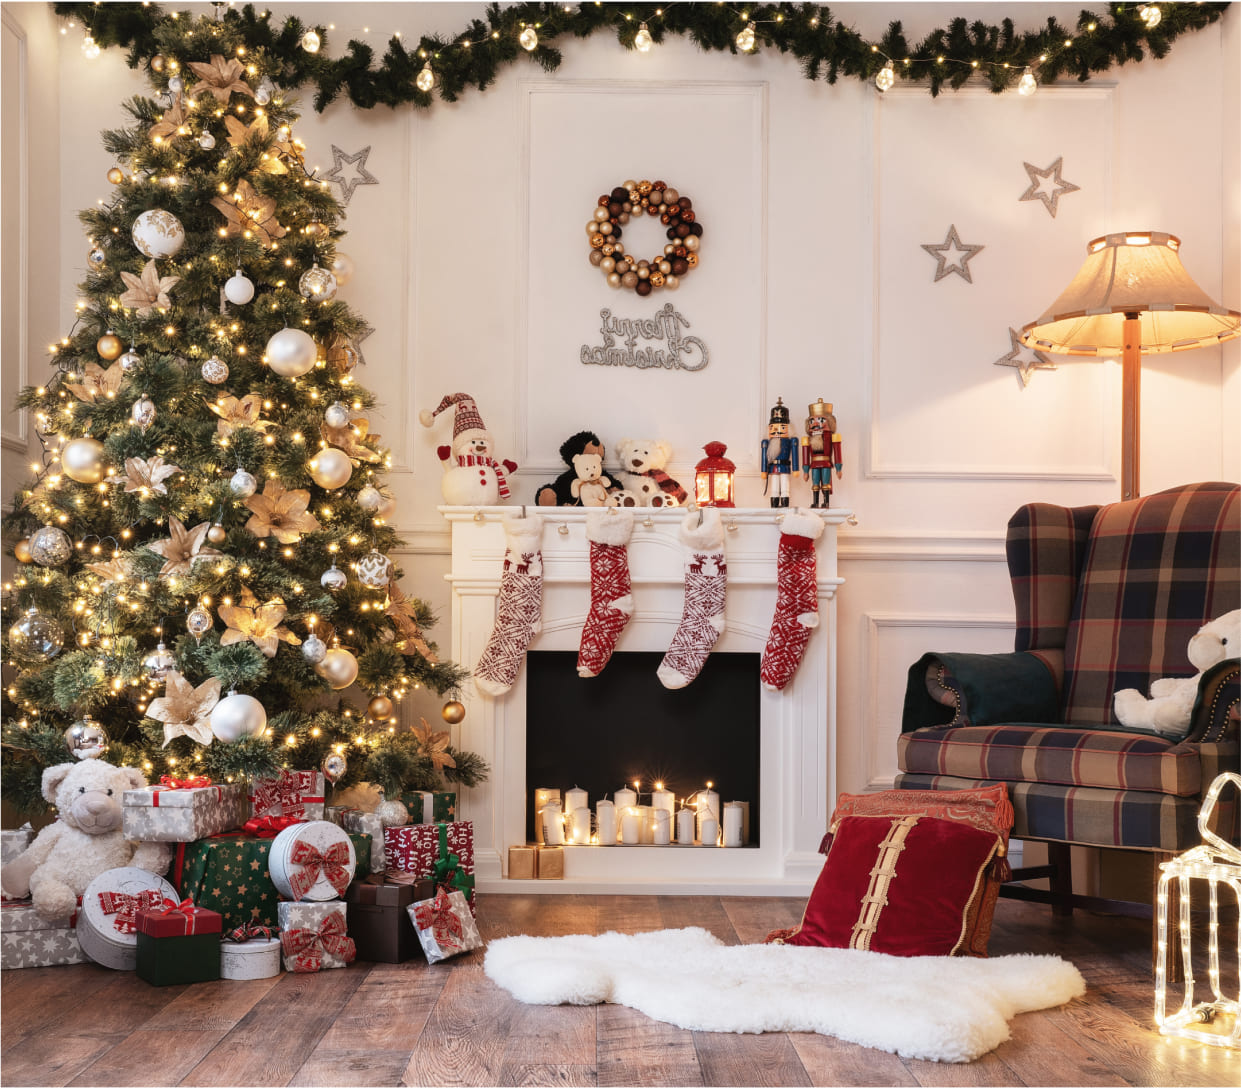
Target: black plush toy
<point x="559" y="492"/>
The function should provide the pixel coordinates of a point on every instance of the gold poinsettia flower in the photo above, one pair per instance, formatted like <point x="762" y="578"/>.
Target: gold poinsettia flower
<point x="183" y="548"/>
<point x="148" y="291"/>
<point x="184" y="709"/>
<point x="96" y="382"/>
<point x="239" y="134"/>
<point x="221" y="77"/>
<point x="434" y="746"/>
<point x="115" y="569"/>
<point x="146" y="476"/>
<point x="260" y="624"/>
<point x="248" y="210"/>
<point x="401" y="610"/>
<point x="350" y="439"/>
<point x="170" y="123"/>
<point x="237" y="412"/>
<point x="280" y="513"/>
<point x="342" y="355"/>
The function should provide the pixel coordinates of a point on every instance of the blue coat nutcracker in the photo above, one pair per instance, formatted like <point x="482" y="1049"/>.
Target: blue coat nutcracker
<point x="779" y="454"/>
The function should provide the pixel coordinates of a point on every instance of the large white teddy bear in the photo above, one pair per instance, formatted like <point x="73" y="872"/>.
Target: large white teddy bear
<point x="86" y="841"/>
<point x="1171" y="703"/>
<point x="642" y="462"/>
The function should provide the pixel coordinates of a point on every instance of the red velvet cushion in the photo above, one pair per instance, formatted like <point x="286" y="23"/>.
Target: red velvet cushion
<point x="904" y="885"/>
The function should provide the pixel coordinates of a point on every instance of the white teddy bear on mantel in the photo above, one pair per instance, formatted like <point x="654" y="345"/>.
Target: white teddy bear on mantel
<point x="1168" y="709"/>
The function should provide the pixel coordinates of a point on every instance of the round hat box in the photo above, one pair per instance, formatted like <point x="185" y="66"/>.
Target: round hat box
<point x="258" y="957"/>
<point x="97" y="932"/>
<point x="322" y="835"/>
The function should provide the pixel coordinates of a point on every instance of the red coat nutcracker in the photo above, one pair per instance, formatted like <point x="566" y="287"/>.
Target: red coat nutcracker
<point x="821" y="452"/>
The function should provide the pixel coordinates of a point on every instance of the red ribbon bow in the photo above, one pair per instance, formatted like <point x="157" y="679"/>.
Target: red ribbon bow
<point x="186" y="909"/>
<point x="196" y="782"/>
<point x="248" y="931"/>
<point x="291" y="792"/>
<point x="126" y="907"/>
<point x="268" y="827"/>
<point x="332" y="863"/>
<point x="304" y="948"/>
<point x="440" y="917"/>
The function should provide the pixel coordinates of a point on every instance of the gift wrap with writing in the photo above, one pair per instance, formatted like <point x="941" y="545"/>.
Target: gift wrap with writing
<point x="445" y="925"/>
<point x="442" y="810"/>
<point x="367" y="823"/>
<point x="14" y="842"/>
<point x="426" y="850"/>
<point x="161" y="814"/>
<point x="26" y="940"/>
<point x="229" y="874"/>
<point x="178" y="943"/>
<point x="292" y="793"/>
<point x="315" y="936"/>
<point x="314" y="861"/>
<point x="108" y="918"/>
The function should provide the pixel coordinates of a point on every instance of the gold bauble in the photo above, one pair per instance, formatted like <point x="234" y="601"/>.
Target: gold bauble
<point x="116" y="175"/>
<point x="109" y="346"/>
<point x="380" y="708"/>
<point x="157" y="62"/>
<point x="339" y="668"/>
<point x="453" y="711"/>
<point x="330" y="468"/>
<point x="82" y="460"/>
<point x="21" y="552"/>
<point x="216" y="534"/>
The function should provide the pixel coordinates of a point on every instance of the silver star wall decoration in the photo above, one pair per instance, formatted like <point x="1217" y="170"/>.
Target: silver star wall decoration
<point x="1047" y="185"/>
<point x="1023" y="359"/>
<point x="952" y="255"/>
<point x="359" y="176"/>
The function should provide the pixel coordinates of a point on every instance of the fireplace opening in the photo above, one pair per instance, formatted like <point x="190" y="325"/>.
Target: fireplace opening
<point x="604" y="733"/>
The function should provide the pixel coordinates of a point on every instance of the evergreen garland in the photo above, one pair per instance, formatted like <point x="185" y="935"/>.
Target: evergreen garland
<point x="825" y="48"/>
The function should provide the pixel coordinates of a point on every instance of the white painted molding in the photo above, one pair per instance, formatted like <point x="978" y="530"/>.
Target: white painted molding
<point x="914" y="546"/>
<point x="15" y="429"/>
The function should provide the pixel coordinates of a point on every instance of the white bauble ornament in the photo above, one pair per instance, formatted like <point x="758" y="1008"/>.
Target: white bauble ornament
<point x="130" y="360"/>
<point x="317" y="283"/>
<point x="86" y="739"/>
<point x="264" y="91"/>
<point x="243" y="484"/>
<point x="330" y="468"/>
<point x="342" y="268"/>
<point x="291" y="353"/>
<point x="336" y="414"/>
<point x="370" y="498"/>
<point x="215" y="370"/>
<point x="35" y="638"/>
<point x="206" y="141"/>
<point x="176" y="84"/>
<point x="238" y="288"/>
<point x="470" y="485"/>
<point x="50" y="546"/>
<point x="158" y="233"/>
<point x="143" y="412"/>
<point x="314" y="649"/>
<point x="236" y="716"/>
<point x="374" y="569"/>
<point x="82" y="460"/>
<point x="334" y="579"/>
<point x="339" y="668"/>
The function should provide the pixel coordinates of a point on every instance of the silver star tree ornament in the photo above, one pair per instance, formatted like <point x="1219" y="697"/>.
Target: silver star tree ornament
<point x="952" y="255"/>
<point x="1023" y="359"/>
<point x="1047" y="185"/>
<point x="360" y="176"/>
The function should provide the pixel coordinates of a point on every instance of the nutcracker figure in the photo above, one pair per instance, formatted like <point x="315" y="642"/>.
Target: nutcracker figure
<point x="821" y="452"/>
<point x="779" y="454"/>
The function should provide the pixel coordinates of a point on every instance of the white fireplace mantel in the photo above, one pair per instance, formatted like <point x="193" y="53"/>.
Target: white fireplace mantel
<point x="798" y="724"/>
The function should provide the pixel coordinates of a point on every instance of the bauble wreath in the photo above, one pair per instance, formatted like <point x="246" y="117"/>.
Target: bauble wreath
<point x="654" y="198"/>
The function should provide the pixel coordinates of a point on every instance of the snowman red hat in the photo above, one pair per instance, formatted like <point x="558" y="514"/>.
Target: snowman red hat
<point x="466" y="418"/>
<point x="472" y="475"/>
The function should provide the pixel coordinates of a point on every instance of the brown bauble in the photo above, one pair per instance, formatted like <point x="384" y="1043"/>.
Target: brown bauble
<point x="680" y="266"/>
<point x="604" y="201"/>
<point x="682" y="230"/>
<point x="685" y="203"/>
<point x="109" y="346"/>
<point x="665" y="218"/>
<point x="616" y="208"/>
<point x="687" y="215"/>
<point x="380" y="708"/>
<point x="656" y="279"/>
<point x="21" y="551"/>
<point x="619" y="195"/>
<point x="643" y="287"/>
<point x="453" y="712"/>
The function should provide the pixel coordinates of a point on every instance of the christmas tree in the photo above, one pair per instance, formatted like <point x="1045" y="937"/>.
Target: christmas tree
<point x="203" y="585"/>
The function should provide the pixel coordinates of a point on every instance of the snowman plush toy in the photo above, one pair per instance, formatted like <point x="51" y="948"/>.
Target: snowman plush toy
<point x="472" y="475"/>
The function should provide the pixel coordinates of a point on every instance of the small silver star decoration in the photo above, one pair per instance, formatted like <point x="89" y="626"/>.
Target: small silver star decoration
<point x="357" y="343"/>
<point x="1022" y="363"/>
<point x="348" y="184"/>
<point x="952" y="255"/>
<point x="1049" y="194"/>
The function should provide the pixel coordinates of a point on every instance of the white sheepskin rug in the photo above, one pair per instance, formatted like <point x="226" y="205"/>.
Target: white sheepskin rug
<point x="939" y="1008"/>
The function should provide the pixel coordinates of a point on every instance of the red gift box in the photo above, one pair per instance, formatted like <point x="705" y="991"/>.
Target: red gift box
<point x="179" y="920"/>
<point x="415" y="848"/>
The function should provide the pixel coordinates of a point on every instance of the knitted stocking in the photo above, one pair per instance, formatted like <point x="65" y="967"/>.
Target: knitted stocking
<point x="797" y="600"/>
<point x="702" y="619"/>
<point x="519" y="610"/>
<point x="611" y="600"/>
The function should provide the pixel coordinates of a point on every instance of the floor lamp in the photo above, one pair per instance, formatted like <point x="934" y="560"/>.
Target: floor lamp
<point x="1131" y="296"/>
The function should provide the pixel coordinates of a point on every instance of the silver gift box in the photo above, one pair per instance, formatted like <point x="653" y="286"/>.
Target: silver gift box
<point x="14" y="842"/>
<point x="26" y="940"/>
<point x="470" y="937"/>
<point x="368" y="823"/>
<point x="310" y="915"/>
<point x="155" y="814"/>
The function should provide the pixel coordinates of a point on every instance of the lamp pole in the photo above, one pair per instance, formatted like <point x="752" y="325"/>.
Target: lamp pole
<point x="1131" y="406"/>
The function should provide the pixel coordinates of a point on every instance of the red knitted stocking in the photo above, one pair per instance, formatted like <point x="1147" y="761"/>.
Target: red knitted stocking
<point x="797" y="600"/>
<point x="611" y="600"/>
<point x="702" y="619"/>
<point x="519" y="610"/>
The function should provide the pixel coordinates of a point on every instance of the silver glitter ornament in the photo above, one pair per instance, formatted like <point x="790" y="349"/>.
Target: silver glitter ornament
<point x="35" y="638"/>
<point x="215" y="370"/>
<point x="317" y="283"/>
<point x="370" y="498"/>
<point x="130" y="360"/>
<point x="50" y="546"/>
<point x="334" y="579"/>
<point x="198" y="622"/>
<point x="206" y="141"/>
<point x="143" y="412"/>
<point x="159" y="663"/>
<point x="243" y="484"/>
<point x="334" y="767"/>
<point x="392" y="813"/>
<point x="314" y="649"/>
<point x="374" y="569"/>
<point x="96" y="257"/>
<point x="336" y="414"/>
<point x="176" y="85"/>
<point x="264" y="91"/>
<point x="86" y="739"/>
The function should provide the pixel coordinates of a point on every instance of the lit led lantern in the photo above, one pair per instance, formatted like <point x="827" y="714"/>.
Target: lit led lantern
<point x="713" y="477"/>
<point x="1217" y="862"/>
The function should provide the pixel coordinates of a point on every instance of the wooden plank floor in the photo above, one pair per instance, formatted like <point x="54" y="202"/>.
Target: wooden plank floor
<point x="410" y="1024"/>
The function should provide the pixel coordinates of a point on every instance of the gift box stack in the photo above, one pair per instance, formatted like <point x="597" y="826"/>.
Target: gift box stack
<point x="443" y="852"/>
<point x="26" y="940"/>
<point x="313" y="863"/>
<point x="535" y="861"/>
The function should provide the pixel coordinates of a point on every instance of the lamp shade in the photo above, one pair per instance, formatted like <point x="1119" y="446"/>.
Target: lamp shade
<point x="1131" y="273"/>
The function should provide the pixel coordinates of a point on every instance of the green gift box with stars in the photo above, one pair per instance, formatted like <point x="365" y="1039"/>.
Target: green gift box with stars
<point x="443" y="807"/>
<point x="228" y="873"/>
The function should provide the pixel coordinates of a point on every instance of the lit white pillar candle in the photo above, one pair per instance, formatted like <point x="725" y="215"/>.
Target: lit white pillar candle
<point x="605" y="818"/>
<point x="662" y="798"/>
<point x="685" y="827"/>
<point x="709" y="830"/>
<point x="552" y="822"/>
<point x="663" y="826"/>
<point x="708" y="804"/>
<point x="541" y="798"/>
<point x="579" y="825"/>
<point x="732" y="823"/>
<point x="629" y="827"/>
<point x="625" y="798"/>
<point x="574" y="799"/>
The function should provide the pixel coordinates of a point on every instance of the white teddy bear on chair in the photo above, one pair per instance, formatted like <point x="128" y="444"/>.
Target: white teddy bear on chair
<point x="1168" y="709"/>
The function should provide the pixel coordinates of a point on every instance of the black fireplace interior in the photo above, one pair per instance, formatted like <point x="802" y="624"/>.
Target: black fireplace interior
<point x="604" y="732"/>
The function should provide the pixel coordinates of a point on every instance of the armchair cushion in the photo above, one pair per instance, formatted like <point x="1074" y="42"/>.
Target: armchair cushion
<point x="979" y="689"/>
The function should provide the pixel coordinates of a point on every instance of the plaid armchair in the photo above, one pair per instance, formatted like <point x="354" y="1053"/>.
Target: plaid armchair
<point x="1107" y="598"/>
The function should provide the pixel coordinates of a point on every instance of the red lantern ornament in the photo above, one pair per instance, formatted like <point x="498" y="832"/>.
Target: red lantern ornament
<point x="713" y="477"/>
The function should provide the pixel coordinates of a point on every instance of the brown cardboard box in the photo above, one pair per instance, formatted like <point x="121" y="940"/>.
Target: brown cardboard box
<point x="377" y="919"/>
<point x="551" y="863"/>
<point x="521" y="862"/>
